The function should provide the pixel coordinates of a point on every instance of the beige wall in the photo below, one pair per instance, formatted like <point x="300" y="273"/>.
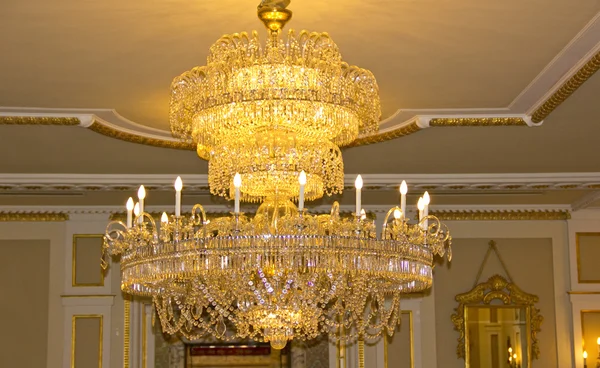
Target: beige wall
<point x="53" y="235"/>
<point x="24" y="275"/>
<point x="87" y="341"/>
<point x="530" y="264"/>
<point x="399" y="348"/>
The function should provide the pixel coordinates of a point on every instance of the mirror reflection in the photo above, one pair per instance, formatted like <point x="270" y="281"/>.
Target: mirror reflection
<point x="497" y="336"/>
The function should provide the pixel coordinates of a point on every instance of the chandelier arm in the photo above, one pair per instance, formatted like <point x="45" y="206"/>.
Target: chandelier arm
<point x="385" y="233"/>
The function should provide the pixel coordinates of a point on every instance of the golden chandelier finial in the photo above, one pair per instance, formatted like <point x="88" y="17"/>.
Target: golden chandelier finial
<point x="274" y="15"/>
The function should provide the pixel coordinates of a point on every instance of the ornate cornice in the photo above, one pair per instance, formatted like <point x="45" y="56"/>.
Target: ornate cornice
<point x="502" y="215"/>
<point x="210" y="215"/>
<point x="139" y="139"/>
<point x="386" y="136"/>
<point x="482" y="121"/>
<point x="33" y="216"/>
<point x="39" y="120"/>
<point x="485" y="183"/>
<point x="567" y="89"/>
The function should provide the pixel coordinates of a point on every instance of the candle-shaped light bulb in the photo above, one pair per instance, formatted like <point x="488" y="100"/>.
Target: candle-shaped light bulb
<point x="420" y="207"/>
<point x="302" y="181"/>
<point x="237" y="183"/>
<point x="363" y="214"/>
<point x="510" y="350"/>
<point x="136" y="209"/>
<point x="397" y="214"/>
<point x="585" y="355"/>
<point x="141" y="192"/>
<point x="426" y="201"/>
<point x="358" y="184"/>
<point x="178" y="188"/>
<point x="164" y="218"/>
<point x="515" y="356"/>
<point x="141" y="196"/>
<point x="403" y="191"/>
<point x="129" y="207"/>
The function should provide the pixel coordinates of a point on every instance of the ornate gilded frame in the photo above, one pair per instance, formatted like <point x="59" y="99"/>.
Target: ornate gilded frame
<point x="498" y="288"/>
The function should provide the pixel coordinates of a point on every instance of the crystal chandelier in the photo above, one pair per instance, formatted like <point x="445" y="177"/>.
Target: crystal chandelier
<point x="270" y="120"/>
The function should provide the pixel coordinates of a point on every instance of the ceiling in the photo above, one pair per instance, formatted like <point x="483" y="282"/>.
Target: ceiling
<point x="115" y="60"/>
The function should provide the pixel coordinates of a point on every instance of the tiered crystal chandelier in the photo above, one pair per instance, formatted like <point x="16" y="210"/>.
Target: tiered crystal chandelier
<point x="270" y="120"/>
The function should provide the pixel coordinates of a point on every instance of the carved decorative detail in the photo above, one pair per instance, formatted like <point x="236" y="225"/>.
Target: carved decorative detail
<point x="134" y="138"/>
<point x="382" y="137"/>
<point x="497" y="288"/>
<point x="508" y="215"/>
<point x="491" y="121"/>
<point x="33" y="216"/>
<point x="211" y="215"/>
<point x="567" y="89"/>
<point x="39" y="120"/>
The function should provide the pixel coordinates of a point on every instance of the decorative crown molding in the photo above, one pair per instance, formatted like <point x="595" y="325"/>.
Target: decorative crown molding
<point x="111" y="132"/>
<point x="502" y="215"/>
<point x="403" y="130"/>
<point x="567" y="88"/>
<point x="33" y="216"/>
<point x="12" y="183"/>
<point x="478" y="121"/>
<point x="39" y="120"/>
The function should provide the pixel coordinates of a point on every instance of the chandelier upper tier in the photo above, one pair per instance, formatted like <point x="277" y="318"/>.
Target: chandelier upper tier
<point x="270" y="120"/>
<point x="271" y="111"/>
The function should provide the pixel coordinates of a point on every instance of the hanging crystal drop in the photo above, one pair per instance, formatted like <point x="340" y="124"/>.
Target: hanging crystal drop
<point x="220" y="327"/>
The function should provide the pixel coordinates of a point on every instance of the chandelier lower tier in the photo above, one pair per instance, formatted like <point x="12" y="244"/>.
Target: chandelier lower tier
<point x="279" y="275"/>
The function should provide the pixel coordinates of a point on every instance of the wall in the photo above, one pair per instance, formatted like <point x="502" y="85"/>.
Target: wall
<point x="529" y="262"/>
<point x="24" y="275"/>
<point x="45" y="239"/>
<point x="544" y="246"/>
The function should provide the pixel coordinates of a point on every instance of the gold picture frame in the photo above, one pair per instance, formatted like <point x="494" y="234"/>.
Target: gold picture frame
<point x="504" y="294"/>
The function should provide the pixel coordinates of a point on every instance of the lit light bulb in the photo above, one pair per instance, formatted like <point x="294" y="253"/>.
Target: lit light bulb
<point x="510" y="350"/>
<point x="358" y="183"/>
<point x="178" y="184"/>
<point x="426" y="199"/>
<point x="129" y="204"/>
<point x="142" y="192"/>
<point x="403" y="187"/>
<point x="302" y="178"/>
<point x="420" y="204"/>
<point x="515" y="356"/>
<point x="397" y="214"/>
<point x="585" y="355"/>
<point x="136" y="209"/>
<point x="164" y="218"/>
<point x="363" y="214"/>
<point x="598" y="341"/>
<point x="237" y="180"/>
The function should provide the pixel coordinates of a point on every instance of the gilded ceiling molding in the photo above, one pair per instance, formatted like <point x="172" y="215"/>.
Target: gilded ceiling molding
<point x="386" y="136"/>
<point x="481" y="121"/>
<point x="210" y="215"/>
<point x="39" y="120"/>
<point x="567" y="89"/>
<point x="33" y="217"/>
<point x="502" y="215"/>
<point x="139" y="139"/>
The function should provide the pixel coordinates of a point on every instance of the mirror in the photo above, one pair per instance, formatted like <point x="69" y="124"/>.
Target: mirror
<point x="498" y="325"/>
<point x="497" y="336"/>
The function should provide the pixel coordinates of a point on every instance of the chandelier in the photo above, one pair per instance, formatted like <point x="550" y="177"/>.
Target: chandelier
<point x="270" y="120"/>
